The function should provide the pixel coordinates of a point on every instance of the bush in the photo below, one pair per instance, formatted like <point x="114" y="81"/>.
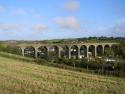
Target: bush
<point x="40" y="61"/>
<point x="10" y="49"/>
<point x="97" y="65"/>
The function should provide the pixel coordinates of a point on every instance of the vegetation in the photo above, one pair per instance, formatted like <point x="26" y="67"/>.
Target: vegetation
<point x="16" y="57"/>
<point x="116" y="68"/>
<point x="19" y="77"/>
<point x="122" y="46"/>
<point x="96" y="65"/>
<point x="10" y="49"/>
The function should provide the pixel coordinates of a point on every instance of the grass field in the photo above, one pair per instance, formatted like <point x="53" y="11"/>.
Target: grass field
<point x="20" y="77"/>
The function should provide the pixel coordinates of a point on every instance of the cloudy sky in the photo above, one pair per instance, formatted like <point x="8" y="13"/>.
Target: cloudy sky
<point x="56" y="19"/>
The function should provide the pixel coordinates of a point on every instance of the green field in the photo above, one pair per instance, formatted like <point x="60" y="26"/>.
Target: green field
<point x="19" y="77"/>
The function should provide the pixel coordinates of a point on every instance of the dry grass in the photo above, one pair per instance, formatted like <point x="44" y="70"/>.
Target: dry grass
<point x="17" y="77"/>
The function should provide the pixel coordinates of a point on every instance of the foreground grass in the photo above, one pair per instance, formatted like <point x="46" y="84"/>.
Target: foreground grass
<point x="19" y="77"/>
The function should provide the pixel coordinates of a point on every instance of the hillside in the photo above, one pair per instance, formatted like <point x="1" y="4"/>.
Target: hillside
<point x="19" y="77"/>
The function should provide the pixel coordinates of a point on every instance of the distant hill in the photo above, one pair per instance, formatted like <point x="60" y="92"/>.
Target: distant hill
<point x="89" y="39"/>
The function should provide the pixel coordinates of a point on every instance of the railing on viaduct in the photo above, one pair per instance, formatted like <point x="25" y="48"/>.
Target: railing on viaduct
<point x="80" y="49"/>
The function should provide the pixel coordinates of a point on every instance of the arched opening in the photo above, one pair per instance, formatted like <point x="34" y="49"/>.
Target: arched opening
<point x="42" y="52"/>
<point x="29" y="51"/>
<point x="107" y="50"/>
<point x="99" y="50"/>
<point x="91" y="51"/>
<point x="53" y="52"/>
<point x="64" y="51"/>
<point x="74" y="52"/>
<point x="116" y="50"/>
<point x="83" y="51"/>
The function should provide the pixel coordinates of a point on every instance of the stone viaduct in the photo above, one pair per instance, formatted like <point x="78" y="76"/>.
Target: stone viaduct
<point x="80" y="49"/>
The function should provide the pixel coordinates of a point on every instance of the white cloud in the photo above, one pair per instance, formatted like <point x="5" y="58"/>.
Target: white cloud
<point x="40" y="27"/>
<point x="35" y="14"/>
<point x="19" y="12"/>
<point x="2" y="8"/>
<point x="7" y="27"/>
<point x="23" y="27"/>
<point x="67" y="22"/>
<point x="122" y="10"/>
<point x="72" y="6"/>
<point x="119" y="27"/>
<point x="24" y="12"/>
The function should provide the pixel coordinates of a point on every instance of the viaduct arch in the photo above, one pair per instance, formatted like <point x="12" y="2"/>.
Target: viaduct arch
<point x="77" y="50"/>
